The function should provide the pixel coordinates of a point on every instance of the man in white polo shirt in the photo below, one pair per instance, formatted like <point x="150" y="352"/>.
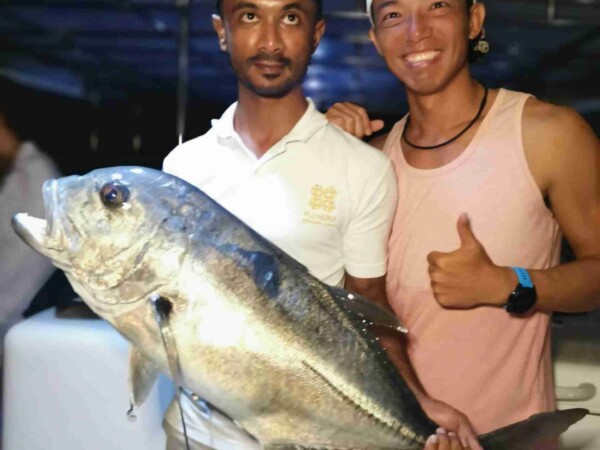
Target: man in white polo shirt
<point x="317" y="193"/>
<point x="324" y="197"/>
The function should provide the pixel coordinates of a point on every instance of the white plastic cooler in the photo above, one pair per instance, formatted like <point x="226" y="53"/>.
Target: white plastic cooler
<point x="65" y="387"/>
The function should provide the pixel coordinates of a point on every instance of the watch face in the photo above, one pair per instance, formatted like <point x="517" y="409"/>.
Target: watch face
<point x="521" y="300"/>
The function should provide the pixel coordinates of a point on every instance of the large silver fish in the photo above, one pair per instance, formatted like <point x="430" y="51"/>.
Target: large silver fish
<point x="288" y="358"/>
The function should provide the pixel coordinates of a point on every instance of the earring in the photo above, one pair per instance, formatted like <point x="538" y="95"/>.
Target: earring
<point x="482" y="46"/>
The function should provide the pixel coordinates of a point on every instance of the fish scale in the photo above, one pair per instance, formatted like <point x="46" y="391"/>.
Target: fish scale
<point x="290" y="359"/>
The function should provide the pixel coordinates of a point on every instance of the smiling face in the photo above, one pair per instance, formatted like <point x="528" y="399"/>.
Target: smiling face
<point x="269" y="42"/>
<point x="425" y="43"/>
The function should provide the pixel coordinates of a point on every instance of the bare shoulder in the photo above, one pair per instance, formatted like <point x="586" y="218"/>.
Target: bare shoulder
<point x="553" y="124"/>
<point x="379" y="141"/>
<point x="558" y="142"/>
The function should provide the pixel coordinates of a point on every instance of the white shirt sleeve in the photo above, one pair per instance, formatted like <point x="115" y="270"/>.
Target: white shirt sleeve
<point x="366" y="239"/>
<point x="169" y="165"/>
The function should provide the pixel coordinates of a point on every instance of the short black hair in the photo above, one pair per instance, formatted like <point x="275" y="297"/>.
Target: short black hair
<point x="318" y="2"/>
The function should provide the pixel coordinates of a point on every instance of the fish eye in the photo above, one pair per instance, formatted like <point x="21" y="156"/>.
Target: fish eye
<point x="114" y="195"/>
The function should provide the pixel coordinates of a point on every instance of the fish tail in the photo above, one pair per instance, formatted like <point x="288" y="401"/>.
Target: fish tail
<point x="538" y="429"/>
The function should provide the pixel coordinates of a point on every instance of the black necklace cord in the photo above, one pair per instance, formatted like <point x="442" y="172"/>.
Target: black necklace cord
<point x="432" y="147"/>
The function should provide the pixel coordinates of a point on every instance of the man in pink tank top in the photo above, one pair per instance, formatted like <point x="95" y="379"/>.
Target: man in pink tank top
<point x="488" y="183"/>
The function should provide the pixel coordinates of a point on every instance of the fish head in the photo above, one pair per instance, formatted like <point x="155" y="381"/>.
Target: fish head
<point x="105" y="230"/>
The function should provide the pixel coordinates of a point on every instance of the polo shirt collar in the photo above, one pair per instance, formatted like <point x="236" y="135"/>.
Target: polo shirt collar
<point x="224" y="125"/>
<point x="310" y="122"/>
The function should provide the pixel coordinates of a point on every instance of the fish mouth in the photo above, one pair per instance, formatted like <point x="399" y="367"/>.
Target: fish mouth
<point x="42" y="234"/>
<point x="32" y="230"/>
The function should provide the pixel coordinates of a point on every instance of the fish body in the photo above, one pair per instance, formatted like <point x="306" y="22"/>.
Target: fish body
<point x="288" y="358"/>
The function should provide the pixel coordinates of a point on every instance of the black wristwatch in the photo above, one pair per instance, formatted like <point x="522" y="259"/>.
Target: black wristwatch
<point x="523" y="298"/>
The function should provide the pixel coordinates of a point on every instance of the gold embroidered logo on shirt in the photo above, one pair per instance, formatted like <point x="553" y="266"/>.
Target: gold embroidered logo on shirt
<point x="321" y="199"/>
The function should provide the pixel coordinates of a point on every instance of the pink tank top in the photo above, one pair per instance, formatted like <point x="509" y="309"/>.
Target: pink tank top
<point x="493" y="367"/>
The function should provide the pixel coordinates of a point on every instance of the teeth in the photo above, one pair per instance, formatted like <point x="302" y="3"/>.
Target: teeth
<point x="419" y="57"/>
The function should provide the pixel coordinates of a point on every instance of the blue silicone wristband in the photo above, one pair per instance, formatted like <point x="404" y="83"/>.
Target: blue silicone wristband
<point x="524" y="277"/>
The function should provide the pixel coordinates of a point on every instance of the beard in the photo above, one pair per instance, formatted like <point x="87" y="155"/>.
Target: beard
<point x="278" y="91"/>
<point x="271" y="90"/>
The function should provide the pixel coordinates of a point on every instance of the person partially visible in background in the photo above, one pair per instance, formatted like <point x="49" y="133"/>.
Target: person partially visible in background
<point x="23" y="170"/>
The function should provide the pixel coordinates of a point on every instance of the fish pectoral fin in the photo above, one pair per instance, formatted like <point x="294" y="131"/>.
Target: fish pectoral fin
<point x="142" y="375"/>
<point x="367" y="309"/>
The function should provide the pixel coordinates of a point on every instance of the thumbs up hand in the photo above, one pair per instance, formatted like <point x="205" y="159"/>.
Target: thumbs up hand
<point x="467" y="277"/>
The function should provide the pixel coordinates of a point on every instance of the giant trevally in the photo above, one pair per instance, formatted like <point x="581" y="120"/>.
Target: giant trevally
<point x="288" y="358"/>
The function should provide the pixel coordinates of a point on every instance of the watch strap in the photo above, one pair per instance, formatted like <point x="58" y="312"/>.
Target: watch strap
<point x="524" y="278"/>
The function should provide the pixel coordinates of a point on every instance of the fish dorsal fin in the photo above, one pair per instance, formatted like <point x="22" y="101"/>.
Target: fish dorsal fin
<point x="367" y="309"/>
<point x="142" y="375"/>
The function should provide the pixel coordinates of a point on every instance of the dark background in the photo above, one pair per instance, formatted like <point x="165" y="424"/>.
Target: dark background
<point x="95" y="81"/>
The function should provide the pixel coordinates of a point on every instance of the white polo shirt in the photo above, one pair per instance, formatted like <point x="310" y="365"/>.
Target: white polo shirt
<point x="321" y="195"/>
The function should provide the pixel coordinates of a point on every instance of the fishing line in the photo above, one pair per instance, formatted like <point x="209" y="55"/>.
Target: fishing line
<point x="185" y="435"/>
<point x="162" y="308"/>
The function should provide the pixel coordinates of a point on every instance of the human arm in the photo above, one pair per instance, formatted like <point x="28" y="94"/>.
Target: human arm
<point x="355" y="120"/>
<point x="563" y="155"/>
<point x="392" y="341"/>
<point x="395" y="344"/>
